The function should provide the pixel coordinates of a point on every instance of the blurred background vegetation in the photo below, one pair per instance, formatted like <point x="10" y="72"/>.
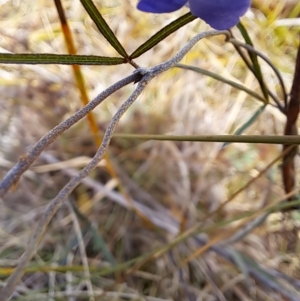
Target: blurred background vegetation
<point x="186" y="181"/>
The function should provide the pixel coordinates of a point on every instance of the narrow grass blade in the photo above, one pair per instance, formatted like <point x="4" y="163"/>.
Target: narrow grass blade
<point x="253" y="264"/>
<point x="221" y="79"/>
<point x="254" y="60"/>
<point x="239" y="260"/>
<point x="103" y="27"/>
<point x="268" y="139"/>
<point x="61" y="59"/>
<point x="98" y="244"/>
<point x="248" y="123"/>
<point x="162" y="34"/>
<point x="98" y="241"/>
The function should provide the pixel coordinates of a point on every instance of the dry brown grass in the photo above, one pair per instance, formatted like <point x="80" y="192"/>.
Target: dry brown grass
<point x="184" y="181"/>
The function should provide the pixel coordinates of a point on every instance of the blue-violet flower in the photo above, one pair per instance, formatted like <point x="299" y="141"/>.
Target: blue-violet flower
<point x="219" y="14"/>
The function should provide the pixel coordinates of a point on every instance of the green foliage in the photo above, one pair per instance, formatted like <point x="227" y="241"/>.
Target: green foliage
<point x="62" y="59"/>
<point x="103" y="26"/>
<point x="175" y="227"/>
<point x="162" y="34"/>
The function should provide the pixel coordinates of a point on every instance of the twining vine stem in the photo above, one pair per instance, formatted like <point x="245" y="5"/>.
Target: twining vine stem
<point x="143" y="77"/>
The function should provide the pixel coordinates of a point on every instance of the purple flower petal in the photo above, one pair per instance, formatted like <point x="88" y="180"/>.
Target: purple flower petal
<point x="160" y="6"/>
<point x="219" y="14"/>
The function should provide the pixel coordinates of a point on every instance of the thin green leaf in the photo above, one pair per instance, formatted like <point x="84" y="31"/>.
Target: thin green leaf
<point x="248" y="123"/>
<point x="103" y="27"/>
<point x="270" y="139"/>
<point x="253" y="264"/>
<point x="251" y="120"/>
<point x="162" y="34"/>
<point x="100" y="246"/>
<point x="221" y="79"/>
<point x="62" y="59"/>
<point x="239" y="260"/>
<point x="254" y="60"/>
<point x="72" y="244"/>
<point x="98" y="241"/>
